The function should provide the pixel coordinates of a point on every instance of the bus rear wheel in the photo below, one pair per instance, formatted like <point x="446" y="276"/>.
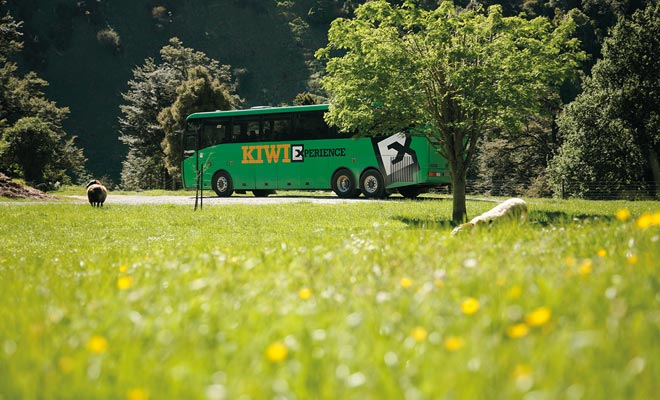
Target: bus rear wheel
<point x="222" y="184"/>
<point x="372" y="184"/>
<point x="343" y="184"/>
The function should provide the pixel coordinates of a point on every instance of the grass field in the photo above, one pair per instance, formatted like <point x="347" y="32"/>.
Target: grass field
<point x="373" y="300"/>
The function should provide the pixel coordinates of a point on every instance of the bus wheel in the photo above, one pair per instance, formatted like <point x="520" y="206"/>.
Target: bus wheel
<point x="410" y="192"/>
<point x="372" y="184"/>
<point x="222" y="184"/>
<point x="343" y="184"/>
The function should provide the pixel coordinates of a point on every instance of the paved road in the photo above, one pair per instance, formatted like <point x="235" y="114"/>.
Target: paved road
<point x="213" y="200"/>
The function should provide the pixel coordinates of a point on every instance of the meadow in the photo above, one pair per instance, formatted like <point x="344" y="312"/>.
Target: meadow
<point x="368" y="300"/>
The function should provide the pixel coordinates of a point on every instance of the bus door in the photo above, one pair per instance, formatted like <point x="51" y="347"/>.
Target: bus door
<point x="189" y="162"/>
<point x="278" y="157"/>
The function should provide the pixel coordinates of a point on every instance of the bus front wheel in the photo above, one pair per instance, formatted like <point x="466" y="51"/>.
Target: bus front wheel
<point x="372" y="184"/>
<point x="222" y="184"/>
<point x="343" y="184"/>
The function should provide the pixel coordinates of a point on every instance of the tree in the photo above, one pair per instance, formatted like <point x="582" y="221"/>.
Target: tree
<point x="200" y="92"/>
<point x="32" y="141"/>
<point x="149" y="92"/>
<point x="31" y="146"/>
<point x="154" y="88"/>
<point x="457" y="75"/>
<point x="305" y="98"/>
<point x="611" y="131"/>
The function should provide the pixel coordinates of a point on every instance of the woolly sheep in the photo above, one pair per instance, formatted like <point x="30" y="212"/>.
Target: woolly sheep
<point x="96" y="193"/>
<point x="513" y="209"/>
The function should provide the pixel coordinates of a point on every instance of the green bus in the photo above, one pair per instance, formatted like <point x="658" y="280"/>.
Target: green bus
<point x="264" y="149"/>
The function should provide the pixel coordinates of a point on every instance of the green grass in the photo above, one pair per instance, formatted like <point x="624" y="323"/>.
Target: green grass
<point x="164" y="302"/>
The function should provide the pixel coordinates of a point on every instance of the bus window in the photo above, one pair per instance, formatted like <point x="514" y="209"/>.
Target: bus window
<point x="189" y="144"/>
<point x="246" y="130"/>
<point x="214" y="133"/>
<point x="236" y="133"/>
<point x="276" y="129"/>
<point x="253" y="131"/>
<point x="310" y="126"/>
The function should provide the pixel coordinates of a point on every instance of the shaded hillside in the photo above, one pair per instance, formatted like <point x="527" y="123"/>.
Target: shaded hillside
<point x="88" y="73"/>
<point x="87" y="49"/>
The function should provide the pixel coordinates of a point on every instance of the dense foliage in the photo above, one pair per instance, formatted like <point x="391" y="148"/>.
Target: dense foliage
<point x="456" y="74"/>
<point x="612" y="130"/>
<point x="159" y="98"/>
<point x="33" y="144"/>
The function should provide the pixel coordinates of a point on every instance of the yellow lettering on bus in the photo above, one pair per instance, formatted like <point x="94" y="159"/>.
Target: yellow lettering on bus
<point x="248" y="157"/>
<point x="272" y="153"/>
<point x="259" y="160"/>
<point x="287" y="151"/>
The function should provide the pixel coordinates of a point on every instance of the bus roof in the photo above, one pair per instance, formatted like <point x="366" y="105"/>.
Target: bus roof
<point x="258" y="111"/>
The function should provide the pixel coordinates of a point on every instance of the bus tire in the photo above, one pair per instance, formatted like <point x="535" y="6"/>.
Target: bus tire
<point x="343" y="184"/>
<point x="222" y="184"/>
<point x="372" y="184"/>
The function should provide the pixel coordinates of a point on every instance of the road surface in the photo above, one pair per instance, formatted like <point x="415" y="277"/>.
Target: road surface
<point x="214" y="200"/>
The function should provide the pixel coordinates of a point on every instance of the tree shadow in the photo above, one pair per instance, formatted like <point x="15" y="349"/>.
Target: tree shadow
<point x="559" y="218"/>
<point x="432" y="223"/>
<point x="535" y="217"/>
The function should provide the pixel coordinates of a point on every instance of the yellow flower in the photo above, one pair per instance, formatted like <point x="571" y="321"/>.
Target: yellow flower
<point x="406" y="282"/>
<point x="517" y="331"/>
<point x="305" y="293"/>
<point x="137" y="394"/>
<point x="124" y="282"/>
<point x="514" y="293"/>
<point x="454" y="343"/>
<point x="439" y="283"/>
<point x="276" y="352"/>
<point x="538" y="317"/>
<point x="97" y="344"/>
<point x="419" y="334"/>
<point x="622" y="214"/>
<point x="123" y="268"/>
<point x="570" y="261"/>
<point x="601" y="252"/>
<point x="585" y="267"/>
<point x="632" y="259"/>
<point x="644" y="221"/>
<point x="470" y="306"/>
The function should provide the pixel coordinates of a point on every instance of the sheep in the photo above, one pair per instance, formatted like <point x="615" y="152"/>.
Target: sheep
<point x="96" y="193"/>
<point x="513" y="209"/>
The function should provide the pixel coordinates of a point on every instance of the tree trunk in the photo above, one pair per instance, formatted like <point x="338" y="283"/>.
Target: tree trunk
<point x="655" y="171"/>
<point x="458" y="183"/>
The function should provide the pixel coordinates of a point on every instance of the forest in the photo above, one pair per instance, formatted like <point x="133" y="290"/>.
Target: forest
<point x="94" y="87"/>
